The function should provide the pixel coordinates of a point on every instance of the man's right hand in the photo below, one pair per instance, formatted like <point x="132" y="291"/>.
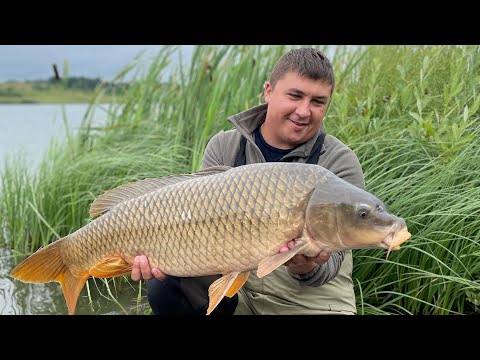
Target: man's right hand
<point x="141" y="270"/>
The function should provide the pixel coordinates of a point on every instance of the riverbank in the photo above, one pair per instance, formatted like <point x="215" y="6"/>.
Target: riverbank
<point x="43" y="92"/>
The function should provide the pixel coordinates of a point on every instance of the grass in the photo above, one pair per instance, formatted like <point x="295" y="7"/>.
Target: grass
<point x="411" y="113"/>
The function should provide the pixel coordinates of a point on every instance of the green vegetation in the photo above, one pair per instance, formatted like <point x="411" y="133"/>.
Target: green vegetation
<point x="68" y="90"/>
<point x="411" y="113"/>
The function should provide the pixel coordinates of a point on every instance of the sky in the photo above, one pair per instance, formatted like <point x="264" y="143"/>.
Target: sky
<point x="34" y="62"/>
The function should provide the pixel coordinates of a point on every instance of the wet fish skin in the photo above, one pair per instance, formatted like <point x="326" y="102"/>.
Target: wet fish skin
<point x="215" y="222"/>
<point x="210" y="225"/>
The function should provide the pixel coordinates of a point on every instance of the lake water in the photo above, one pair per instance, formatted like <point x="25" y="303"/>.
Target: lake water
<point x="29" y="129"/>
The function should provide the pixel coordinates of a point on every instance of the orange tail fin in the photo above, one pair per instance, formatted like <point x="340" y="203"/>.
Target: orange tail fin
<point x="46" y="265"/>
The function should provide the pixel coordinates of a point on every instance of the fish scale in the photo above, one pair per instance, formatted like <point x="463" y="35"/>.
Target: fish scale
<point x="218" y="221"/>
<point x="214" y="225"/>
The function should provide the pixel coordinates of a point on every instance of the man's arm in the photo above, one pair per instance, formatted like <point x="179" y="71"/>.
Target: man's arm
<point x="214" y="151"/>
<point x="322" y="272"/>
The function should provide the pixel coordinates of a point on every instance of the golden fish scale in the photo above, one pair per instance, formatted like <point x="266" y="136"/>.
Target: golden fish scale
<point x="208" y="225"/>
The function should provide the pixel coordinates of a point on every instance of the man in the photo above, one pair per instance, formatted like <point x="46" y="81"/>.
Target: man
<point x="288" y="127"/>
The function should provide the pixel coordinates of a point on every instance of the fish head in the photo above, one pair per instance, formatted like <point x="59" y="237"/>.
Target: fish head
<point x="347" y="217"/>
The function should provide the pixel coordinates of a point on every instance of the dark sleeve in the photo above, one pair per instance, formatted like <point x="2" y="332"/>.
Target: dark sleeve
<point x="321" y="274"/>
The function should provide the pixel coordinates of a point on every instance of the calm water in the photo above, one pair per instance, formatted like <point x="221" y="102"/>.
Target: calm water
<point x="29" y="129"/>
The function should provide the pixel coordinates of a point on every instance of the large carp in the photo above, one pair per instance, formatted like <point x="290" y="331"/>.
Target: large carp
<point x="219" y="220"/>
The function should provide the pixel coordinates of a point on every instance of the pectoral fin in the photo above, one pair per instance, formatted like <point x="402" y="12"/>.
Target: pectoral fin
<point x="267" y="265"/>
<point x="110" y="267"/>
<point x="227" y="285"/>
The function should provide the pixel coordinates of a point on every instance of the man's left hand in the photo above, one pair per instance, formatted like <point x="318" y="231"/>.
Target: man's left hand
<point x="301" y="264"/>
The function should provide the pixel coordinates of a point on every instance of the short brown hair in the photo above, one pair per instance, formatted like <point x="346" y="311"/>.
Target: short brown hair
<point x="306" y="62"/>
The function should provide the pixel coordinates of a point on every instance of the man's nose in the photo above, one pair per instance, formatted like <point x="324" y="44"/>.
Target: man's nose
<point x="303" y="109"/>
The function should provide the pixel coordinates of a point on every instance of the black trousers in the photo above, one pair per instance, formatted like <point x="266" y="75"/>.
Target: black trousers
<point x="186" y="296"/>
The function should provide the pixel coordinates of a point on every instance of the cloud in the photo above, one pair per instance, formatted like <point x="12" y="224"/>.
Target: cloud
<point x="33" y="62"/>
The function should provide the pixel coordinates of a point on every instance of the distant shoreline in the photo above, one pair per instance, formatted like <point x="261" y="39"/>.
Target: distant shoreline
<point x="71" y="91"/>
<point x="62" y="100"/>
<point x="52" y="102"/>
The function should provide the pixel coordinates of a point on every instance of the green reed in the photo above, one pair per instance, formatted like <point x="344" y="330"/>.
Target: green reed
<point x="411" y="114"/>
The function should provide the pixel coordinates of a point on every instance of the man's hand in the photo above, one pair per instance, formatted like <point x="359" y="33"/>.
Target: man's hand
<point x="141" y="270"/>
<point x="301" y="264"/>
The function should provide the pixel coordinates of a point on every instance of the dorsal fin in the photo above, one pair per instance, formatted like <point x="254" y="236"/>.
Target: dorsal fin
<point x="212" y="170"/>
<point x="138" y="188"/>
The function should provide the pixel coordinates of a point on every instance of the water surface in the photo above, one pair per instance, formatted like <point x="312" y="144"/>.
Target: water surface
<point x="29" y="129"/>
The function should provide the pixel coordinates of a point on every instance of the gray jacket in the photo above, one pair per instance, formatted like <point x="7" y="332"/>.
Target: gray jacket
<point x="328" y="288"/>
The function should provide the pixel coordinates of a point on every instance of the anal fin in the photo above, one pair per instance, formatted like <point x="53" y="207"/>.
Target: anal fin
<point x="239" y="281"/>
<point x="110" y="267"/>
<point x="227" y="285"/>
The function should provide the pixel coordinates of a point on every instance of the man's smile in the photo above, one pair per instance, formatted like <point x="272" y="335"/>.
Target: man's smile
<point x="298" y="124"/>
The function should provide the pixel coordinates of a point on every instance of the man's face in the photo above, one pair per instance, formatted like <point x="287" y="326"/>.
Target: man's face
<point x="296" y="108"/>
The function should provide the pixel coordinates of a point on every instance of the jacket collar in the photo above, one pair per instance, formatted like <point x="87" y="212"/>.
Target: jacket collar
<point x="247" y="121"/>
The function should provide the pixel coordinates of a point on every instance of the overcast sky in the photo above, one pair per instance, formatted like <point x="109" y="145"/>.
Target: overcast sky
<point x="32" y="62"/>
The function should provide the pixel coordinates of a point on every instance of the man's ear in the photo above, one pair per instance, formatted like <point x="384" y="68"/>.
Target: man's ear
<point x="267" y="89"/>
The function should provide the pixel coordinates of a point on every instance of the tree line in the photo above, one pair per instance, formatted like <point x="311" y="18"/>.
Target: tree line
<point x="87" y="84"/>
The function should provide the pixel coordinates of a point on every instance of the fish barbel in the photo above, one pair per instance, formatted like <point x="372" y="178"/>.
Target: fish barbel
<point x="220" y="220"/>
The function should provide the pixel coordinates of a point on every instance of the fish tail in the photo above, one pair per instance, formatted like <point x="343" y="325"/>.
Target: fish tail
<point x="46" y="265"/>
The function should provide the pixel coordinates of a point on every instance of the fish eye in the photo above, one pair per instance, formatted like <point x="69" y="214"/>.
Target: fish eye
<point x="364" y="212"/>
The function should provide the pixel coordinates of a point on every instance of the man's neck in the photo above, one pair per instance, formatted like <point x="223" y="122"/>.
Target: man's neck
<point x="270" y="153"/>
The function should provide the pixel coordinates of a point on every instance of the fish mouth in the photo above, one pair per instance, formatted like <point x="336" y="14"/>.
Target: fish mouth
<point x="395" y="238"/>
